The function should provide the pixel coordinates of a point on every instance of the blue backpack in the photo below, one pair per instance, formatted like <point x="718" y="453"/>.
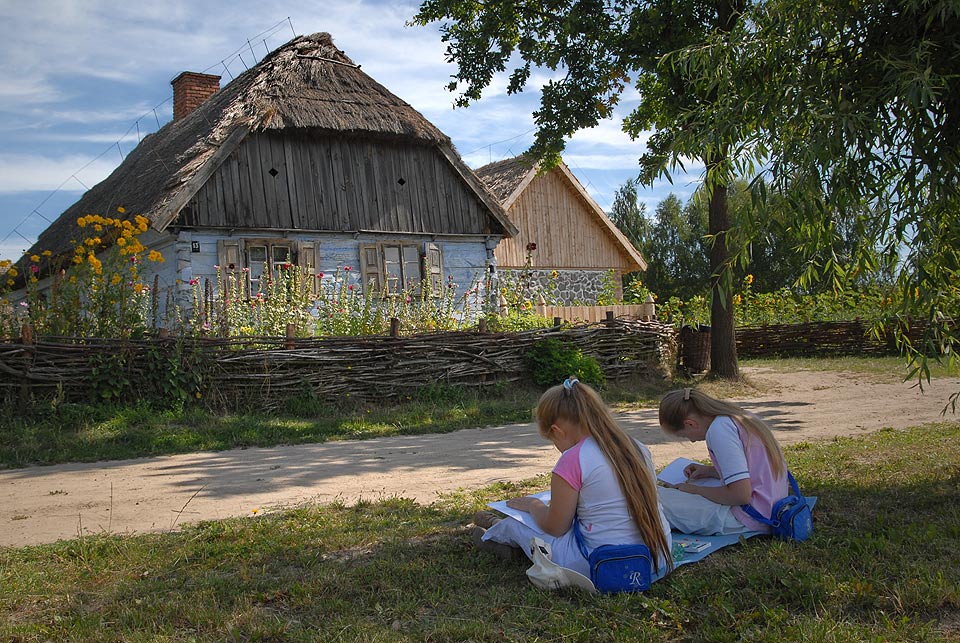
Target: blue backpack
<point x="790" y="518"/>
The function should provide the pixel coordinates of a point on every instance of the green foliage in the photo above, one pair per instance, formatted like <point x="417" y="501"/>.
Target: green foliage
<point x="109" y="379"/>
<point x="553" y="360"/>
<point x="853" y="116"/>
<point x="171" y="374"/>
<point x="517" y="320"/>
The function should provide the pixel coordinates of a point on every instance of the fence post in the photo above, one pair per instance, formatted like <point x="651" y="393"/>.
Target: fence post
<point x="482" y="325"/>
<point x="394" y="327"/>
<point x="26" y="338"/>
<point x="557" y="321"/>
<point x="291" y="334"/>
<point x="609" y="316"/>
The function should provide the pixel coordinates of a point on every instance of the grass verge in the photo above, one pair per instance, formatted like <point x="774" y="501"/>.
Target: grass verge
<point x="883" y="565"/>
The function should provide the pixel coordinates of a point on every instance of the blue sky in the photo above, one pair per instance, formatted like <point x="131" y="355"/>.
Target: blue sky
<point x="81" y="81"/>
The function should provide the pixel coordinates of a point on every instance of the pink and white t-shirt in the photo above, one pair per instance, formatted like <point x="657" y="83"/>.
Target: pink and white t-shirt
<point x="602" y="508"/>
<point x="737" y="455"/>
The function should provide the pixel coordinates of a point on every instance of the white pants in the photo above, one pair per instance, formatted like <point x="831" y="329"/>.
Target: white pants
<point x="565" y="551"/>
<point x="691" y="513"/>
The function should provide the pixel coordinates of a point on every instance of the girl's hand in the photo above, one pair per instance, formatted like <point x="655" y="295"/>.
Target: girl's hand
<point x="526" y="503"/>
<point x="695" y="471"/>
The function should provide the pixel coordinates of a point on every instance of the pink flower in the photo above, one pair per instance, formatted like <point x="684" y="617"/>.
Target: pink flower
<point x="347" y="268"/>
<point x="350" y="287"/>
<point x="319" y="275"/>
<point x="34" y="269"/>
<point x="194" y="281"/>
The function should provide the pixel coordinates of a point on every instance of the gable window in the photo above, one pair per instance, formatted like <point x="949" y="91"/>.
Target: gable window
<point x="255" y="257"/>
<point x="390" y="267"/>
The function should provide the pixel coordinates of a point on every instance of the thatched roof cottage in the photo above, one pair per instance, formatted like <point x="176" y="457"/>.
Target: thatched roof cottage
<point x="565" y="241"/>
<point x="303" y="158"/>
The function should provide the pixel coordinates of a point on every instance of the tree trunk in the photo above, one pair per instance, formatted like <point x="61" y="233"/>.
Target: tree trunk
<point x="723" y="344"/>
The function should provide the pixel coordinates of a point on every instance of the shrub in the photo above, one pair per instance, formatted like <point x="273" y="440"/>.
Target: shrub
<point x="553" y="360"/>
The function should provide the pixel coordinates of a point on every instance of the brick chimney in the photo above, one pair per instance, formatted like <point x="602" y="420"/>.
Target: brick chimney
<point x="190" y="89"/>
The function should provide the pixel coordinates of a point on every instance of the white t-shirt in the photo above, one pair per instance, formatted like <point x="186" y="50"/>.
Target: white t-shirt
<point x="602" y="508"/>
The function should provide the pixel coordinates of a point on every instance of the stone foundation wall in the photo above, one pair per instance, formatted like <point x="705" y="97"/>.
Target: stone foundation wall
<point x="560" y="287"/>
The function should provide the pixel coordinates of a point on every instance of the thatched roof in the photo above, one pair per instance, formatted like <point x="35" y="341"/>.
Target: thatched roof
<point x="504" y="177"/>
<point x="306" y="84"/>
<point x="508" y="179"/>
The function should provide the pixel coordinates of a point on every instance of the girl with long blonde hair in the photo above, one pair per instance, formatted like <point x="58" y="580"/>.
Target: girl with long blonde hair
<point x="604" y="480"/>
<point x="747" y="466"/>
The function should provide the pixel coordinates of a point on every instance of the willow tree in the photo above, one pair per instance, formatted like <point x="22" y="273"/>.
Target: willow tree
<point x="850" y="106"/>
<point x="598" y="49"/>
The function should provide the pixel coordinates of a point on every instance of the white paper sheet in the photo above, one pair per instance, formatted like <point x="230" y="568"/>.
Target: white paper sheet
<point x="523" y="516"/>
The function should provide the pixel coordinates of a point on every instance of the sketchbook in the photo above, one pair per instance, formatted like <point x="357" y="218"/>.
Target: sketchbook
<point x="673" y="474"/>
<point x="523" y="516"/>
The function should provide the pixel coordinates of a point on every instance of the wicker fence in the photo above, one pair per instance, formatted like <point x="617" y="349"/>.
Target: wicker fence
<point x="265" y="372"/>
<point x="816" y="339"/>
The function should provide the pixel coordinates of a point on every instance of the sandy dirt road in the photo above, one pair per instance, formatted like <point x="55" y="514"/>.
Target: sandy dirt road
<point x="45" y="504"/>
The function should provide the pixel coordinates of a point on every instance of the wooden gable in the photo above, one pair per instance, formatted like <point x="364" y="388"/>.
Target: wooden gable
<point x="569" y="229"/>
<point x="298" y="181"/>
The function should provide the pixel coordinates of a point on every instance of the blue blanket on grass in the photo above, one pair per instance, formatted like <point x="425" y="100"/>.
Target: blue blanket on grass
<point x="696" y="548"/>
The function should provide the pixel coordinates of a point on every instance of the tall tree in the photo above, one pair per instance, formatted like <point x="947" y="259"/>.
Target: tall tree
<point x="848" y="106"/>
<point x="629" y="215"/>
<point x="600" y="47"/>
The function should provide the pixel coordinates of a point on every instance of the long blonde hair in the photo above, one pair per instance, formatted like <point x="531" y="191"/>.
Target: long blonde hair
<point x="580" y="404"/>
<point x="678" y="405"/>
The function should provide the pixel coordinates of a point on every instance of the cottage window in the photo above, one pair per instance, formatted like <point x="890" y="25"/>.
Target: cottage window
<point x="257" y="256"/>
<point x="266" y="256"/>
<point x="390" y="267"/>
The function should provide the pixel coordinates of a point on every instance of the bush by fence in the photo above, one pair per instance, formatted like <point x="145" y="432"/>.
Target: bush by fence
<point x="266" y="372"/>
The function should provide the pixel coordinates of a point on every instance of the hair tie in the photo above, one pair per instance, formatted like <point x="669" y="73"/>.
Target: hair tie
<point x="569" y="382"/>
<point x="686" y="394"/>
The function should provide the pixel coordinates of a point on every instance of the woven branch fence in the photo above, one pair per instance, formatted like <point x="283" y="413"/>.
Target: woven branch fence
<point x="818" y="339"/>
<point x="266" y="372"/>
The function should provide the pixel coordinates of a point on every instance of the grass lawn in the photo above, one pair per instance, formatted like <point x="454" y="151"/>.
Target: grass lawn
<point x="883" y="565"/>
<point x="87" y="433"/>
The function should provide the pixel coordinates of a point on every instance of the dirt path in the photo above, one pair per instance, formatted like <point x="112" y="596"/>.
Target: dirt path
<point x="45" y="504"/>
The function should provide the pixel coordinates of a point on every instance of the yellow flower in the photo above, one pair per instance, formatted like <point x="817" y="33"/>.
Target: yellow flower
<point x="34" y="258"/>
<point x="155" y="256"/>
<point x="748" y="279"/>
<point x="12" y="272"/>
<point x="121" y="242"/>
<point x="554" y="274"/>
<point x="737" y="299"/>
<point x="10" y="282"/>
<point x="82" y="221"/>
<point x="121" y="210"/>
<point x="115" y="279"/>
<point x="47" y="253"/>
<point x="98" y="228"/>
<point x="33" y="280"/>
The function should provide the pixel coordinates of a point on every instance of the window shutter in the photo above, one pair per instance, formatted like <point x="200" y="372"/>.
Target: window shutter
<point x="434" y="268"/>
<point x="307" y="261"/>
<point x="228" y="254"/>
<point x="370" y="268"/>
<point x="230" y="258"/>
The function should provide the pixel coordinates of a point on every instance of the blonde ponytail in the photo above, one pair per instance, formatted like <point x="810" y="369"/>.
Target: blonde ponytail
<point x="678" y="405"/>
<point x="579" y="403"/>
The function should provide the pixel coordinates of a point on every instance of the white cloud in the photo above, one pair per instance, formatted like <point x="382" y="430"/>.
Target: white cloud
<point x="26" y="173"/>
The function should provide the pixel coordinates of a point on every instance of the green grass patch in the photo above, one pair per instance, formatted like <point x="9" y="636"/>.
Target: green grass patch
<point x="88" y="433"/>
<point x="883" y="565"/>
